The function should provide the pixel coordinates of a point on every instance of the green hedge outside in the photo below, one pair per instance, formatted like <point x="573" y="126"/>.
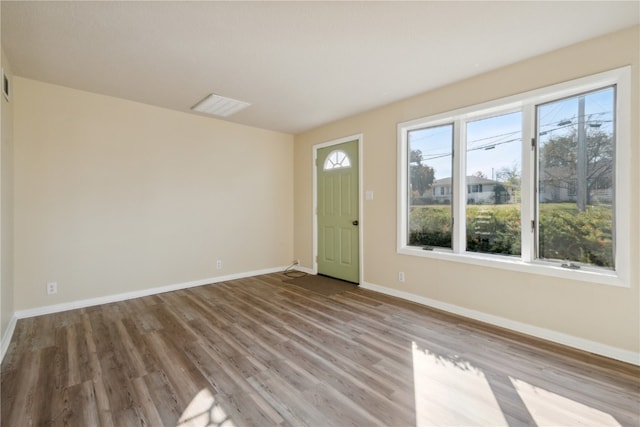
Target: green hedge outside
<point x="565" y="233"/>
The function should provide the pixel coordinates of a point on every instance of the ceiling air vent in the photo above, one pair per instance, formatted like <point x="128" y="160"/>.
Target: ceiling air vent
<point x="219" y="105"/>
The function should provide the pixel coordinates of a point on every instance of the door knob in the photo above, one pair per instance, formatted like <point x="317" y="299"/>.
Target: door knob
<point x="355" y="222"/>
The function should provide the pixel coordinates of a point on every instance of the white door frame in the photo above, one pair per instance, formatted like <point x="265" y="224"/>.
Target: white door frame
<point x="315" y="149"/>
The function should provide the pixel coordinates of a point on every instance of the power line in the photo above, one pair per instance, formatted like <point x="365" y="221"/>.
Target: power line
<point x="561" y="124"/>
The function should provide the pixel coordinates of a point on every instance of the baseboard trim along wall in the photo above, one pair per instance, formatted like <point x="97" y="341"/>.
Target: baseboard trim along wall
<point x="6" y="338"/>
<point x="304" y="269"/>
<point x="57" y="308"/>
<point x="546" y="334"/>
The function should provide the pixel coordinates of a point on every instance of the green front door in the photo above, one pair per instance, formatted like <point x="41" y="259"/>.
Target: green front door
<point x="338" y="236"/>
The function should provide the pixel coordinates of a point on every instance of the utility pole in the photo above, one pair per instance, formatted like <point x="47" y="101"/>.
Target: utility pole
<point x="581" y="159"/>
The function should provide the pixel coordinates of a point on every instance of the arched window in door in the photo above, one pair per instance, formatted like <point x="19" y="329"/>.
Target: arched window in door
<point x="337" y="159"/>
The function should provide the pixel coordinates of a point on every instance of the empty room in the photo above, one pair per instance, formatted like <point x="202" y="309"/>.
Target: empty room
<point x="320" y="213"/>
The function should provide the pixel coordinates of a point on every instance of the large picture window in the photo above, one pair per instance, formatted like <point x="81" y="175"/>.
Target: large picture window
<point x="537" y="181"/>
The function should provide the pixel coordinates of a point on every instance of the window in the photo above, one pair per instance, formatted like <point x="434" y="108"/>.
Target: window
<point x="475" y="188"/>
<point x="337" y="159"/>
<point x="430" y="166"/>
<point x="494" y="147"/>
<point x="576" y="153"/>
<point x="541" y="183"/>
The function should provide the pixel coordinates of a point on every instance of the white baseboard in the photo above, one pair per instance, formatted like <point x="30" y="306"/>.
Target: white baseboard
<point x="546" y="334"/>
<point x="6" y="338"/>
<point x="304" y="269"/>
<point x="56" y="308"/>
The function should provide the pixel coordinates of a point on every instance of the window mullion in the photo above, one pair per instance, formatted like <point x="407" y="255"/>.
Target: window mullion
<point x="528" y="183"/>
<point x="459" y="183"/>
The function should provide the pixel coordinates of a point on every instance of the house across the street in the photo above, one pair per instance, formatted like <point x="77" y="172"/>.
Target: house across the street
<point x="479" y="191"/>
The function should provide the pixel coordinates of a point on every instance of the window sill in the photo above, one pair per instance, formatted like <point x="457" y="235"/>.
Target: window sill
<point x="603" y="277"/>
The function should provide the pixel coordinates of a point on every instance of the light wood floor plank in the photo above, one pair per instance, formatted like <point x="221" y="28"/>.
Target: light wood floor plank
<point x="263" y="352"/>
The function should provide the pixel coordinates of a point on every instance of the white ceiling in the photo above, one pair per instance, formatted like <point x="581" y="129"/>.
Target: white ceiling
<point x="300" y="64"/>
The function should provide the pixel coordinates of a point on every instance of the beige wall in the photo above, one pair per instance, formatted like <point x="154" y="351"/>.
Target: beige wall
<point x="6" y="207"/>
<point x="598" y="313"/>
<point x="113" y="196"/>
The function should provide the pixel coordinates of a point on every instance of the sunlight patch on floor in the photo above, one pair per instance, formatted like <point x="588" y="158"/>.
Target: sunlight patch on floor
<point x="452" y="392"/>
<point x="549" y="408"/>
<point x="204" y="411"/>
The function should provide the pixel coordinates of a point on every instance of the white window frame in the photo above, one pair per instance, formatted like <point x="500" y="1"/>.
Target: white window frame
<point x="527" y="102"/>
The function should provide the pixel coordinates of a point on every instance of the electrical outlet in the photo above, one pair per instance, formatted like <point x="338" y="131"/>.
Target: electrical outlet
<point x="401" y="276"/>
<point x="52" y="288"/>
<point x="219" y="264"/>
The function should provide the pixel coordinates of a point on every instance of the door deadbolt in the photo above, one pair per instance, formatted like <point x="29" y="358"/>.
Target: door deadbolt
<point x="355" y="222"/>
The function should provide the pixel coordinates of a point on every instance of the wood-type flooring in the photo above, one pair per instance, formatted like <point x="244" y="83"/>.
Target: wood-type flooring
<point x="261" y="352"/>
